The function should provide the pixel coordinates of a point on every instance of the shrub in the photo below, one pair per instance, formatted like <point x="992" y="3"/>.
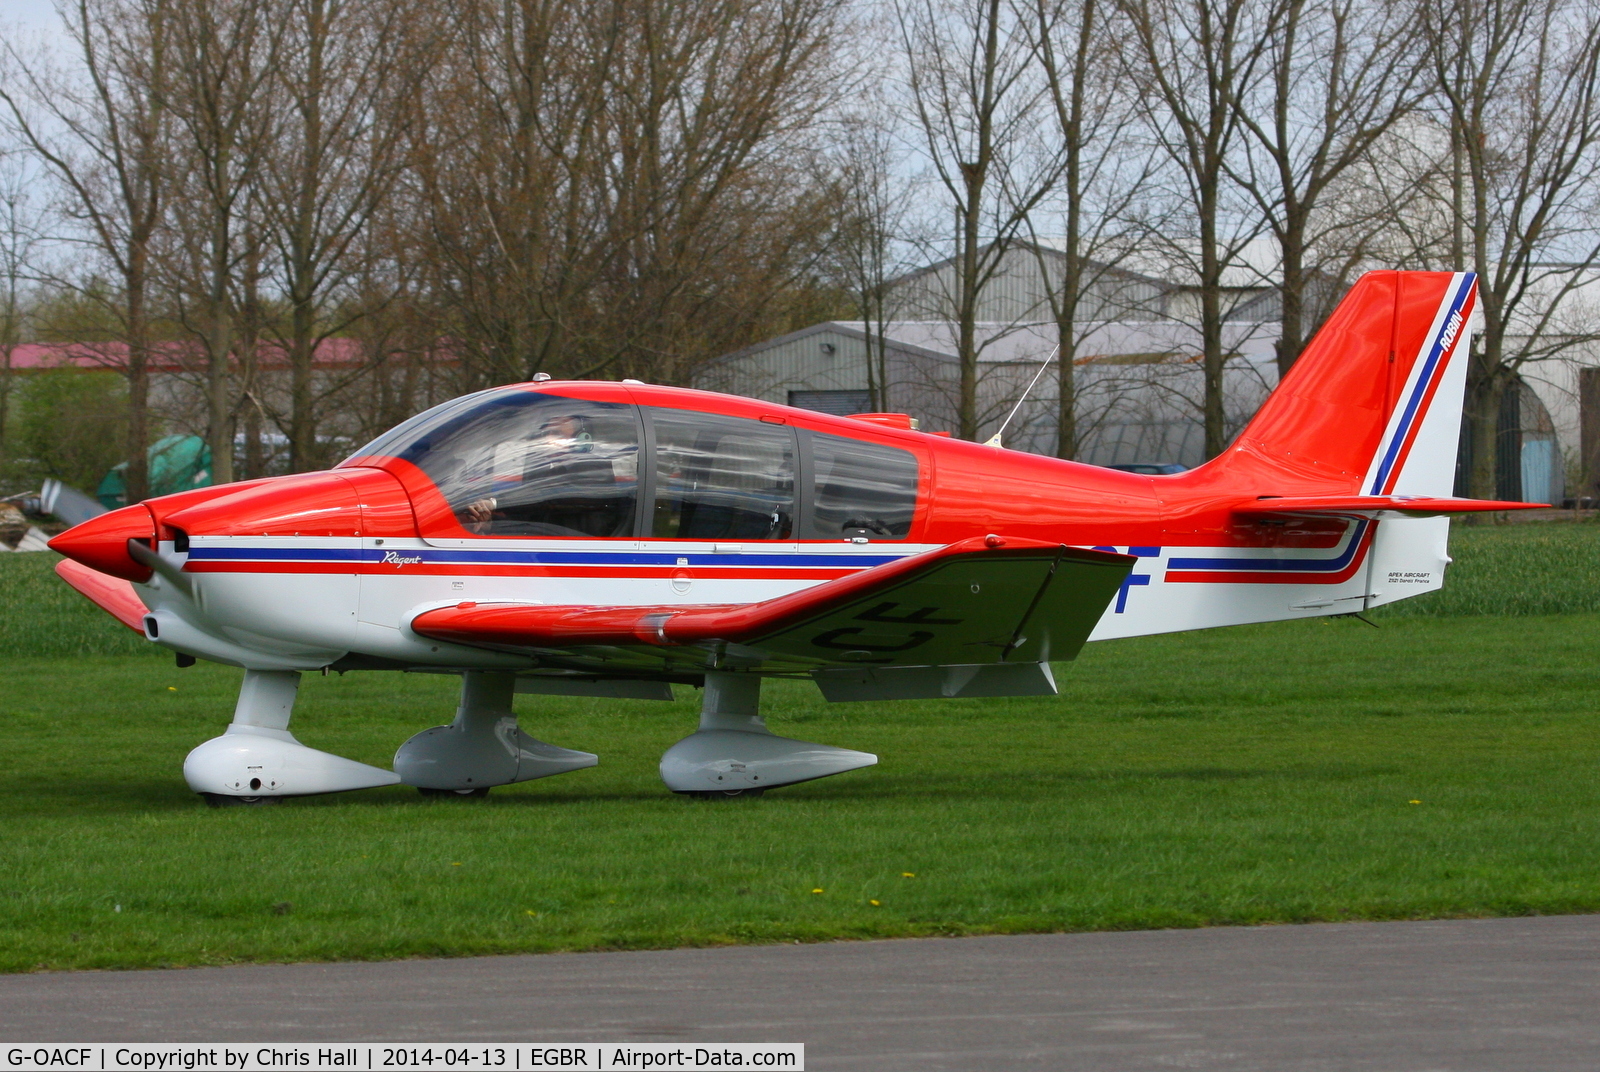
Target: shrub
<point x="72" y="425"/>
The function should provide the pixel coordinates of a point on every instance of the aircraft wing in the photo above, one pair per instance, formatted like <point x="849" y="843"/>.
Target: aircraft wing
<point x="979" y="601"/>
<point x="1375" y="507"/>
<point x="113" y="595"/>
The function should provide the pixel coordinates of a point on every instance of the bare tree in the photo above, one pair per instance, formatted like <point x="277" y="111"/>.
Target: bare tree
<point x="1339" y="74"/>
<point x="510" y="177"/>
<point x="869" y="235"/>
<point x="103" y="132"/>
<point x="21" y="239"/>
<point x="223" y="55"/>
<point x="1104" y="178"/>
<point x="250" y="324"/>
<point x="1518" y="79"/>
<point x="621" y="187"/>
<point x="1193" y="60"/>
<point x="719" y="207"/>
<point x="347" y="77"/>
<point x="404" y="346"/>
<point x="974" y="98"/>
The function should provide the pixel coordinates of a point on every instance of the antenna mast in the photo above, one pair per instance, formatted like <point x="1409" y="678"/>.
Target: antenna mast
<point x="994" y="440"/>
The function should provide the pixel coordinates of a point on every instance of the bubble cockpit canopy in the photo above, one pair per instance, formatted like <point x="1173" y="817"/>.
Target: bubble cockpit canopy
<point x="519" y="462"/>
<point x="514" y="462"/>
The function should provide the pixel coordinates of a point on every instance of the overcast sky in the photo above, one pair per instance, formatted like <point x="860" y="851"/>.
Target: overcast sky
<point x="30" y="14"/>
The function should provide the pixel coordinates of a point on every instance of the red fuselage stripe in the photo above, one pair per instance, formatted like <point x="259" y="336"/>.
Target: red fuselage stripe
<point x="700" y="573"/>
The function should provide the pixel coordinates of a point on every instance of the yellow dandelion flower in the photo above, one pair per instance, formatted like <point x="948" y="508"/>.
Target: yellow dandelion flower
<point x="817" y="890"/>
<point x="907" y="874"/>
<point x="1416" y="802"/>
<point x="874" y="904"/>
<point x="455" y="863"/>
<point x="172" y="688"/>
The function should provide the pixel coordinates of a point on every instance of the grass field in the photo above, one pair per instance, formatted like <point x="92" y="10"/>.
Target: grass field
<point x="1444" y="764"/>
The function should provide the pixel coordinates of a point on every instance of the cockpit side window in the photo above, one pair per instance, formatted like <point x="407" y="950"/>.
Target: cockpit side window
<point x="520" y="463"/>
<point x="722" y="477"/>
<point x="861" y="489"/>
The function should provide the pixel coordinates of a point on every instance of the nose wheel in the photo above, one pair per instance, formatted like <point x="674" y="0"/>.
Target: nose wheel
<point x="453" y="793"/>
<point x="218" y="800"/>
<point x="258" y="760"/>
<point x="726" y="794"/>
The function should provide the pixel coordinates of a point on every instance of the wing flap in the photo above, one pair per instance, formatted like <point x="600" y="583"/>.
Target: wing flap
<point x="976" y="601"/>
<point x="1373" y="507"/>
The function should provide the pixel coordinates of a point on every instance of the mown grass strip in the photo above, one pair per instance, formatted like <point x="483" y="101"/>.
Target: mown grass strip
<point x="41" y="616"/>
<point x="1262" y="774"/>
<point x="1550" y="567"/>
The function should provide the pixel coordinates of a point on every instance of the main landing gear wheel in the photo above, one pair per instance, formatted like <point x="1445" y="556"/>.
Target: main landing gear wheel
<point x="218" y="800"/>
<point x="453" y="793"/>
<point x="726" y="794"/>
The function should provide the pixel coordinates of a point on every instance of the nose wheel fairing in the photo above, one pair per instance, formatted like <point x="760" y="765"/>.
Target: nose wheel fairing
<point x="259" y="757"/>
<point x="249" y="761"/>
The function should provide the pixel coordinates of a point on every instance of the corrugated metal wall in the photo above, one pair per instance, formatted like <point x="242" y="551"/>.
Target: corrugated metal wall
<point x="811" y="360"/>
<point x="1017" y="292"/>
<point x="1147" y="410"/>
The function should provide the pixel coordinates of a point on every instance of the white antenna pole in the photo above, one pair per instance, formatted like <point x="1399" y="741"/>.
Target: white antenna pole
<point x="994" y="440"/>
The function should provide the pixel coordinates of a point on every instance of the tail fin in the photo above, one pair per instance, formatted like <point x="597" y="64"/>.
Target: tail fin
<point x="1373" y="405"/>
<point x="1361" y="438"/>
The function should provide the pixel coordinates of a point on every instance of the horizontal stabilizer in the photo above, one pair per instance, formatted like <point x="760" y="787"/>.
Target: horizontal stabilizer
<point x="1374" y="507"/>
<point x="983" y="600"/>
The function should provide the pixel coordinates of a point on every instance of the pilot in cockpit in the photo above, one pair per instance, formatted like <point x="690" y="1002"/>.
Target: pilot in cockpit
<point x="554" y="483"/>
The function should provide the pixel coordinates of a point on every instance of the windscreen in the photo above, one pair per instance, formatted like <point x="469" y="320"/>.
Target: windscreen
<point x="513" y="462"/>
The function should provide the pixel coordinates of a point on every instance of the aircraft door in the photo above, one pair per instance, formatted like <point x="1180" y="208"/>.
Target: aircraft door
<point x="526" y="493"/>
<point x="571" y="471"/>
<point x="721" y="519"/>
<point x="722" y="478"/>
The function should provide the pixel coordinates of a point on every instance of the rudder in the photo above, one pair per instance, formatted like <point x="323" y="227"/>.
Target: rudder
<point x="1373" y="405"/>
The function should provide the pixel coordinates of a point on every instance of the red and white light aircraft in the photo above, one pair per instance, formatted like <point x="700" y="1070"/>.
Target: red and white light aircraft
<point x="607" y="539"/>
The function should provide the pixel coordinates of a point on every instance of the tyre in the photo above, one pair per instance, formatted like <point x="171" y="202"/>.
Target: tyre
<point x="219" y="800"/>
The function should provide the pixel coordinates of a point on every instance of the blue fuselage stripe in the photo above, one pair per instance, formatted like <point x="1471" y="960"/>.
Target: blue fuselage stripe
<point x="1307" y="565"/>
<point x="531" y="558"/>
